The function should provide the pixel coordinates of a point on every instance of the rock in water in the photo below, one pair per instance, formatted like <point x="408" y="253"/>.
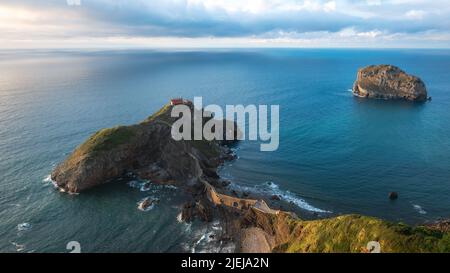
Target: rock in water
<point x="393" y="195"/>
<point x="275" y="197"/>
<point x="389" y="82"/>
<point x="114" y="152"/>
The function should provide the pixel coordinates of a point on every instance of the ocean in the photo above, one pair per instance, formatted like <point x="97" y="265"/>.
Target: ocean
<point x="338" y="154"/>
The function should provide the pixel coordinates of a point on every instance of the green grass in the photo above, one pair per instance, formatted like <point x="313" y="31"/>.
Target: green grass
<point x="162" y="114"/>
<point x="352" y="233"/>
<point x="208" y="148"/>
<point x="107" y="139"/>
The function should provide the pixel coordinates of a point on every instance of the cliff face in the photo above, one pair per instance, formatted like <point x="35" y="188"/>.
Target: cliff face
<point x="389" y="82"/>
<point x="343" y="234"/>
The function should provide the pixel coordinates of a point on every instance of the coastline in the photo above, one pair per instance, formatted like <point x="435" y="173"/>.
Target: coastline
<point x="248" y="221"/>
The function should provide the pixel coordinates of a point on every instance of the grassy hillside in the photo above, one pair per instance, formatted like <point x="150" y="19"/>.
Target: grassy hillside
<point x="351" y="233"/>
<point x="107" y="139"/>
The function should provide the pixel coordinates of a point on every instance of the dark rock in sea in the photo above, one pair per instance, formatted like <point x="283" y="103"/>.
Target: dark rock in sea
<point x="389" y="82"/>
<point x="275" y="197"/>
<point x="187" y="212"/>
<point x="147" y="203"/>
<point x="226" y="183"/>
<point x="203" y="211"/>
<point x="146" y="186"/>
<point x="199" y="209"/>
<point x="393" y="195"/>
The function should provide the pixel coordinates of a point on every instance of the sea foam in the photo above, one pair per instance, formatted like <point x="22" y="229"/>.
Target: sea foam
<point x="24" y="227"/>
<point x="419" y="209"/>
<point x="271" y="188"/>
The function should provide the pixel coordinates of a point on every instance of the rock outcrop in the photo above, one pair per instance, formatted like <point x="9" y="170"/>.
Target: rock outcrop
<point x="441" y="225"/>
<point x="148" y="151"/>
<point x="390" y="83"/>
<point x="393" y="195"/>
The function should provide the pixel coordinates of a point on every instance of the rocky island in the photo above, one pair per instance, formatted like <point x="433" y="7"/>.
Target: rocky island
<point x="251" y="222"/>
<point x="390" y="83"/>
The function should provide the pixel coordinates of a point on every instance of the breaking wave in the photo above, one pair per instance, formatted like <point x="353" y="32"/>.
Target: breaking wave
<point x="19" y="247"/>
<point x="24" y="227"/>
<point x="146" y="185"/>
<point x="48" y="179"/>
<point x="270" y="188"/>
<point x="147" y="208"/>
<point x="419" y="209"/>
<point x="206" y="239"/>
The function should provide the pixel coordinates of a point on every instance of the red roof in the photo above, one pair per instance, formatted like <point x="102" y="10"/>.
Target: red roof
<point x="176" y="101"/>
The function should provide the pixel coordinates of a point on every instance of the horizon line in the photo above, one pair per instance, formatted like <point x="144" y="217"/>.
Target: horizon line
<point x="106" y="48"/>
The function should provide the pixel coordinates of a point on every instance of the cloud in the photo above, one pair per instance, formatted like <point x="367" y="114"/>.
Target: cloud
<point x="415" y="14"/>
<point x="38" y="20"/>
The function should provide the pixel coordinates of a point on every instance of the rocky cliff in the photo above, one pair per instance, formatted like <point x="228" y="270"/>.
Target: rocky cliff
<point x="148" y="150"/>
<point x="389" y="82"/>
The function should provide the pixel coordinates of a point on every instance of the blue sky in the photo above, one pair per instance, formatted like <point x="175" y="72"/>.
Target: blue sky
<point x="225" y="23"/>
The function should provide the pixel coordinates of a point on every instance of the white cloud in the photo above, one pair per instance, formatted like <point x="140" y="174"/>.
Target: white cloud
<point x="279" y="22"/>
<point x="415" y="14"/>
<point x="329" y="6"/>
<point x="373" y="2"/>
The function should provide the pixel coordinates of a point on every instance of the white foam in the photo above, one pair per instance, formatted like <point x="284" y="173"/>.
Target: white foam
<point x="48" y="179"/>
<point x="180" y="218"/>
<point x="419" y="209"/>
<point x="198" y="242"/>
<point x="270" y="188"/>
<point x="149" y="207"/>
<point x="24" y="227"/>
<point x="19" y="247"/>
<point x="134" y="184"/>
<point x="187" y="228"/>
<point x="358" y="95"/>
<point x="207" y="240"/>
<point x="145" y="186"/>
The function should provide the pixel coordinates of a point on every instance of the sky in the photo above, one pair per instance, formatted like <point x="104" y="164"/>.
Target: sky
<point x="224" y="23"/>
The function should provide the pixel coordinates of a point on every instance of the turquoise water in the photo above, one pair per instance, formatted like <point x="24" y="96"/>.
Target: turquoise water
<point x="338" y="154"/>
